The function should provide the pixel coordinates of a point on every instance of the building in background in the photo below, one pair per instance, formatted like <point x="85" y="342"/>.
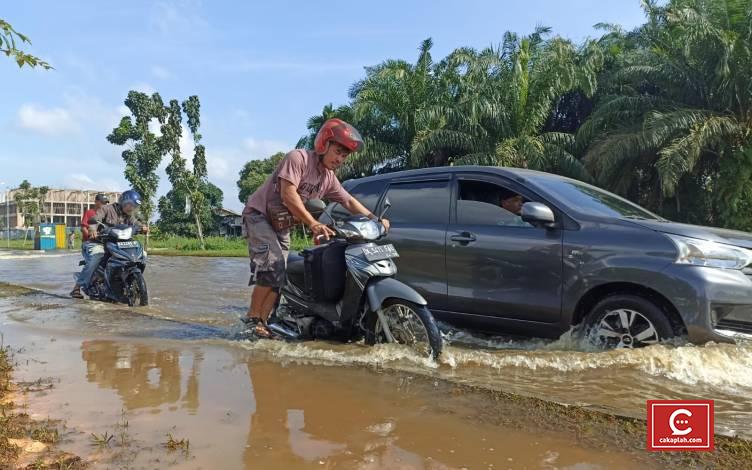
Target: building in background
<point x="61" y="206"/>
<point x="231" y="223"/>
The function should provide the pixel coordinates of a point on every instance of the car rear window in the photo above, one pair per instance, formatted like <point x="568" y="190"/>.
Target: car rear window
<point x="419" y="203"/>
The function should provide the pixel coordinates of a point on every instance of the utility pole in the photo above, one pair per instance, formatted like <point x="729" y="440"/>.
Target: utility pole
<point x="7" y="213"/>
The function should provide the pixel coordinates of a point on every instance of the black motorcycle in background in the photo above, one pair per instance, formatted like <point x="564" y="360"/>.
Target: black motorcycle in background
<point x="345" y="290"/>
<point x="120" y="275"/>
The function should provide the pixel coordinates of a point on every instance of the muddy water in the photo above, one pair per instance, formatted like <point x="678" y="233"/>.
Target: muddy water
<point x="206" y="295"/>
<point x="239" y="411"/>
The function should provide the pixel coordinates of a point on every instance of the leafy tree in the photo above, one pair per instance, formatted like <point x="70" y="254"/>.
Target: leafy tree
<point x="175" y="220"/>
<point x="506" y="96"/>
<point x="255" y="173"/>
<point x="30" y="201"/>
<point x="678" y="122"/>
<point x="9" y="42"/>
<point x="144" y="150"/>
<point x="192" y="185"/>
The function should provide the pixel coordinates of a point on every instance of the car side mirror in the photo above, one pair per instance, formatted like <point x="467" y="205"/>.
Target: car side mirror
<point x="538" y="215"/>
<point x="315" y="206"/>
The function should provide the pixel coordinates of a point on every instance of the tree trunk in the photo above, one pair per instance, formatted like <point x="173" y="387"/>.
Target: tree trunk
<point x="199" y="230"/>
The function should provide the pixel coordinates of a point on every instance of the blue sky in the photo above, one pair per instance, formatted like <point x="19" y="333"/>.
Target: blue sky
<point x="260" y="69"/>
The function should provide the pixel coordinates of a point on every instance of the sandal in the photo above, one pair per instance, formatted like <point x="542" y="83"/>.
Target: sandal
<point x="76" y="293"/>
<point x="259" y="327"/>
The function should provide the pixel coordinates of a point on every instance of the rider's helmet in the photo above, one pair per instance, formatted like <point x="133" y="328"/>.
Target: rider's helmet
<point x="129" y="201"/>
<point x="338" y="131"/>
<point x="101" y="197"/>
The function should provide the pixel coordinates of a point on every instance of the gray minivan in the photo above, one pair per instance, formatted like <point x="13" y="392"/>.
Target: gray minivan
<point x="573" y="255"/>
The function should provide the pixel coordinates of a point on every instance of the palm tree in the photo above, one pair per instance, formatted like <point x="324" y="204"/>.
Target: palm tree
<point x="680" y="111"/>
<point x="389" y="106"/>
<point x="504" y="97"/>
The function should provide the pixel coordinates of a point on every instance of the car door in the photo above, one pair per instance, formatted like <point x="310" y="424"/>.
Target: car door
<point x="498" y="265"/>
<point x="419" y="215"/>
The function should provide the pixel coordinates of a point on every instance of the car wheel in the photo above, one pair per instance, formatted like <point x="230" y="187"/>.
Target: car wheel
<point x="626" y="321"/>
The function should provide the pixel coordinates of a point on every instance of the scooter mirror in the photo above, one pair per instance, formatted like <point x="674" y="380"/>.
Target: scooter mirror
<point x="315" y="206"/>
<point x="387" y="205"/>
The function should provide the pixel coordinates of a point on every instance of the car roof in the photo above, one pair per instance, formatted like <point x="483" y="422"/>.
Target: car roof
<point x="519" y="174"/>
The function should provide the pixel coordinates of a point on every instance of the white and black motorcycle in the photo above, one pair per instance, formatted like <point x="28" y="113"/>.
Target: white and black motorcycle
<point x="345" y="290"/>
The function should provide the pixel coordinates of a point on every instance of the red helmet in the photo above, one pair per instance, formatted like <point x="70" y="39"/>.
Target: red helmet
<point x="340" y="132"/>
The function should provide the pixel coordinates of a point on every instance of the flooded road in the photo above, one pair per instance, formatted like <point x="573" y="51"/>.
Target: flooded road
<point x="349" y="406"/>
<point x="240" y="411"/>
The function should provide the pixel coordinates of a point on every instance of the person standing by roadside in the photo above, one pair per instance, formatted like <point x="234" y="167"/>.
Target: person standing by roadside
<point x="100" y="200"/>
<point x="71" y="240"/>
<point x="279" y="203"/>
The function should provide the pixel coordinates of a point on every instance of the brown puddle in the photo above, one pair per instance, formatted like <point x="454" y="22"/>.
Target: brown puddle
<point x="237" y="411"/>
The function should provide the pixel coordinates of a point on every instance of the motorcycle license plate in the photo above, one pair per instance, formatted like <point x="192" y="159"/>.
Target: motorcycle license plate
<point x="378" y="253"/>
<point x="131" y="244"/>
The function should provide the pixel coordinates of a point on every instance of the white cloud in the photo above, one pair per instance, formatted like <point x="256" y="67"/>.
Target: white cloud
<point x="143" y="88"/>
<point x="259" y="149"/>
<point x="78" y="181"/>
<point x="46" y="121"/>
<point x="172" y="18"/>
<point x="160" y="72"/>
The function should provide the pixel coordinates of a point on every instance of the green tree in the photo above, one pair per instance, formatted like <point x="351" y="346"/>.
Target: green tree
<point x="10" y="39"/>
<point x="174" y="219"/>
<point x="30" y="201"/>
<point x="506" y="96"/>
<point x="144" y="150"/>
<point x="190" y="184"/>
<point x="255" y="173"/>
<point x="679" y="120"/>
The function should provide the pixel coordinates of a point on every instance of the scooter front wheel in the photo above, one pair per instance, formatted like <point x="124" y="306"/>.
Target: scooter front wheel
<point x="405" y="323"/>
<point x="136" y="292"/>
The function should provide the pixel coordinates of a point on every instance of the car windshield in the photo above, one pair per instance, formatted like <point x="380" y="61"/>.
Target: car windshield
<point x="591" y="200"/>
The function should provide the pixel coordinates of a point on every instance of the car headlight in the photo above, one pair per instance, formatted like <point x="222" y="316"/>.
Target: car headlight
<point x="696" y="252"/>
<point x="123" y="234"/>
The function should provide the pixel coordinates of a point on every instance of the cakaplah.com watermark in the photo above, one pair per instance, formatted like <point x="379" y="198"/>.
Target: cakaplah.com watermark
<point x="680" y="425"/>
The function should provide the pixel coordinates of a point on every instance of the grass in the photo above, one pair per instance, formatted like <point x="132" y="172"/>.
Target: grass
<point x="28" y="244"/>
<point x="215" y="246"/>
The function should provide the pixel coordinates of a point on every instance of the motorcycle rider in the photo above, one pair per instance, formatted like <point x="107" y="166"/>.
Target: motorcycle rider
<point x="279" y="203"/>
<point x="121" y="212"/>
<point x="100" y="200"/>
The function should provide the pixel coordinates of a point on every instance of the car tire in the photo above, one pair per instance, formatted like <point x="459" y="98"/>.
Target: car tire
<point x="626" y="321"/>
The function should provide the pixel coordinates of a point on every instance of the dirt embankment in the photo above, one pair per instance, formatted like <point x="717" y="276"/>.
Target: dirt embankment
<point x="24" y="442"/>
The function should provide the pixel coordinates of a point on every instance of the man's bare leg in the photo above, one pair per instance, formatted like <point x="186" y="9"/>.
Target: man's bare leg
<point x="268" y="306"/>
<point x="258" y="301"/>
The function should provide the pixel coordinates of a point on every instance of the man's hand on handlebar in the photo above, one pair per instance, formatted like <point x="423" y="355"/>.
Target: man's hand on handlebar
<point x="386" y="224"/>
<point x="322" y="231"/>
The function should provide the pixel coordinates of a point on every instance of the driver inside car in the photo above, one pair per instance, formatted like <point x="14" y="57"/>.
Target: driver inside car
<point x="280" y="202"/>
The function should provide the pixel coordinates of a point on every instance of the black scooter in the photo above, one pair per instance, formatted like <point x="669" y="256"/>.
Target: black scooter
<point x="119" y="277"/>
<point x="345" y="290"/>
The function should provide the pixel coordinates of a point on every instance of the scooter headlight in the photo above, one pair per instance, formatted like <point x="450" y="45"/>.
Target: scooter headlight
<point x="123" y="234"/>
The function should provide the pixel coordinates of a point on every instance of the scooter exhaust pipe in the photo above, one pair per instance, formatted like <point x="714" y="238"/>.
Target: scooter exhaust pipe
<point x="283" y="331"/>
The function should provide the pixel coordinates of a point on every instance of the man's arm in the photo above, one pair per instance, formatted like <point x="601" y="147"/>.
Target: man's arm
<point x="354" y="207"/>
<point x="291" y="200"/>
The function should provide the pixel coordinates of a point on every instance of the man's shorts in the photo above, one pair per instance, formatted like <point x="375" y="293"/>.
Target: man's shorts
<point x="268" y="251"/>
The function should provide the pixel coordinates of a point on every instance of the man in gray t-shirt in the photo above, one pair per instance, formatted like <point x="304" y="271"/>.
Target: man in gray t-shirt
<point x="300" y="176"/>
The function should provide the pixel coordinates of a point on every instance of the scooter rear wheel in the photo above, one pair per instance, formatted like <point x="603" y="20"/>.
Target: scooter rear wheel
<point x="410" y="324"/>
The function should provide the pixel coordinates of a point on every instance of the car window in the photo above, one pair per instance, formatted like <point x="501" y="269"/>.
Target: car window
<point x="419" y="203"/>
<point x="484" y="203"/>
<point x="367" y="194"/>
<point x="592" y="200"/>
